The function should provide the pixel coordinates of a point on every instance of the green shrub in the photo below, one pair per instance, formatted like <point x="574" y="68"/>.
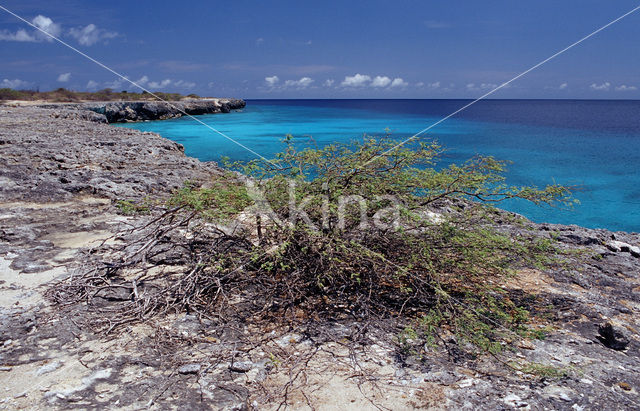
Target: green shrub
<point x="427" y="273"/>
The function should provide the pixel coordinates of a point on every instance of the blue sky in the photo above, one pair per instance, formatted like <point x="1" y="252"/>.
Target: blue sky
<point x="326" y="49"/>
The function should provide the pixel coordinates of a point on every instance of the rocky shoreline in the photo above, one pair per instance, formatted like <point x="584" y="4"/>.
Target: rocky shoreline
<point x="63" y="171"/>
<point x="132" y="111"/>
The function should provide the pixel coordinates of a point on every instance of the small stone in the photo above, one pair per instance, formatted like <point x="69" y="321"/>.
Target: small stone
<point x="617" y="246"/>
<point x="189" y="369"/>
<point x="527" y="345"/>
<point x="241" y="366"/>
<point x="624" y="386"/>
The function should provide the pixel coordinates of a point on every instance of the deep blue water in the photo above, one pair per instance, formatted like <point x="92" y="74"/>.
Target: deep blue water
<point x="593" y="144"/>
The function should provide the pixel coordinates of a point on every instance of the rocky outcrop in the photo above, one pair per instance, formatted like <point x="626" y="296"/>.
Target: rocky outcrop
<point x="125" y="111"/>
<point x="54" y="155"/>
<point x="132" y="111"/>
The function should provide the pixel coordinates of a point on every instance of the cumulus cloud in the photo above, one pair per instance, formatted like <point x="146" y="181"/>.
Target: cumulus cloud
<point x="271" y="81"/>
<point x="92" y="85"/>
<point x="329" y="82"/>
<point x="142" y="80"/>
<point x="14" y="84"/>
<point x="624" y="87"/>
<point x="601" y="87"/>
<point x="563" y="86"/>
<point x="91" y="34"/>
<point x="42" y="22"/>
<point x="381" y="81"/>
<point x="47" y="25"/>
<point x="398" y="82"/>
<point x="357" y="80"/>
<point x="20" y="35"/>
<point x="160" y="84"/>
<point x="86" y="36"/>
<point x="304" y="82"/>
<point x="64" y="77"/>
<point x="145" y="82"/>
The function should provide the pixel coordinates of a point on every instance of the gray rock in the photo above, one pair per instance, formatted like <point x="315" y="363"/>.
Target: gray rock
<point x="612" y="337"/>
<point x="241" y="366"/>
<point x="125" y="111"/>
<point x="189" y="368"/>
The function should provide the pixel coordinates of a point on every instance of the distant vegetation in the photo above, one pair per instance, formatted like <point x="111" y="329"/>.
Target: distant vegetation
<point x="64" y="95"/>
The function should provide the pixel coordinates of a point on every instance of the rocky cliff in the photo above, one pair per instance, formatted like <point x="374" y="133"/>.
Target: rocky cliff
<point x="130" y="111"/>
<point x="118" y="112"/>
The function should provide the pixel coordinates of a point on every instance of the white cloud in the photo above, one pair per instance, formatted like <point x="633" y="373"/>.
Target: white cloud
<point x="329" y="82"/>
<point x="91" y="34"/>
<point x="14" y="84"/>
<point x="271" y="81"/>
<point x="63" y="78"/>
<point x="435" y="84"/>
<point x="142" y="80"/>
<point x="563" y="86"/>
<point x="259" y="41"/>
<point x="42" y="22"/>
<point x="398" y="82"/>
<point x="601" y="87"/>
<point x="357" y="80"/>
<point x="20" y="35"/>
<point x="381" y="81"/>
<point x="304" y="82"/>
<point x="211" y="84"/>
<point x="47" y="25"/>
<point x="160" y="84"/>
<point x="92" y="85"/>
<point x="624" y="87"/>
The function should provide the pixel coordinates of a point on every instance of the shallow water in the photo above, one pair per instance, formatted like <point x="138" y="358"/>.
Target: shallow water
<point x="592" y="144"/>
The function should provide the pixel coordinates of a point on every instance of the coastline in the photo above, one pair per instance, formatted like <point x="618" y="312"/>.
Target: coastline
<point x="64" y="169"/>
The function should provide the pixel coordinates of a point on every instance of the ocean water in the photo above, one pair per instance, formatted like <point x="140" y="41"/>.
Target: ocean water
<point x="594" y="145"/>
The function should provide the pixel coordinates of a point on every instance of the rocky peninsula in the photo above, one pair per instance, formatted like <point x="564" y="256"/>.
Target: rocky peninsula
<point x="64" y="173"/>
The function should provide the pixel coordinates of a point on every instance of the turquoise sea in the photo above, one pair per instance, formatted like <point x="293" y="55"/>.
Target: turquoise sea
<point x="591" y="144"/>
